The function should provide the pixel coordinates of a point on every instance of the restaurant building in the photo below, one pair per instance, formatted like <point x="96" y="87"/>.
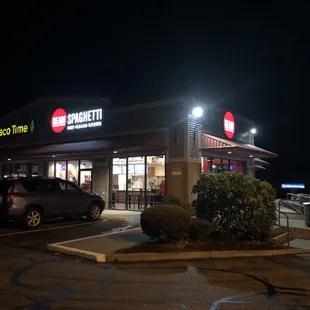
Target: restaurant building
<point x="129" y="155"/>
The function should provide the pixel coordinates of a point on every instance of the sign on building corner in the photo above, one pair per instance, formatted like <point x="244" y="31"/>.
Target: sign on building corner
<point x="229" y="125"/>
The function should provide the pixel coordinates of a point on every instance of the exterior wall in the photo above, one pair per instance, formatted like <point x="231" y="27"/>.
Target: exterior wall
<point x="101" y="179"/>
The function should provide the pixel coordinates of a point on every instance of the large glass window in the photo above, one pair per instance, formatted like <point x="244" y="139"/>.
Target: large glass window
<point x="6" y="170"/>
<point x="34" y="170"/>
<point x="206" y="165"/>
<point x="137" y="181"/>
<point x="51" y="169"/>
<point x="216" y="165"/>
<point x="73" y="171"/>
<point x="86" y="164"/>
<point x="77" y="172"/>
<point x="61" y="167"/>
<point x="118" y="183"/>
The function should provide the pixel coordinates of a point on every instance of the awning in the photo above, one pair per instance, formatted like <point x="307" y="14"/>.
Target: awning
<point x="139" y="142"/>
<point x="261" y="162"/>
<point x="259" y="167"/>
<point x="218" y="146"/>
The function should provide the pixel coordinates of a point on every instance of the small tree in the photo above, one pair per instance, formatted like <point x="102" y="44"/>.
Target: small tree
<point x="240" y="206"/>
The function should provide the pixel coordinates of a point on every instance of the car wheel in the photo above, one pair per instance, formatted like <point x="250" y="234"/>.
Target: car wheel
<point x="94" y="212"/>
<point x="33" y="218"/>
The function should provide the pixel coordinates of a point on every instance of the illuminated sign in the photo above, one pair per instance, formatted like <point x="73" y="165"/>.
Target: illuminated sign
<point x="17" y="129"/>
<point x="229" y="125"/>
<point x="61" y="120"/>
<point x="293" y="185"/>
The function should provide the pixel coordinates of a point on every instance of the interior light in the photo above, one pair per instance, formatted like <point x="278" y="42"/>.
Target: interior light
<point x="115" y="152"/>
<point x="253" y="131"/>
<point x="53" y="156"/>
<point x="9" y="158"/>
<point x="197" y="111"/>
<point x="251" y="155"/>
<point x="229" y="152"/>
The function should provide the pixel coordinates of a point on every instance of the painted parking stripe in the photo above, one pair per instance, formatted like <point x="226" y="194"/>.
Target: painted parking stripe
<point x="101" y="235"/>
<point x="50" y="228"/>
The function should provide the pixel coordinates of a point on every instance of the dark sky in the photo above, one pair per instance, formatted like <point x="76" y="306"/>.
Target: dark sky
<point x="249" y="56"/>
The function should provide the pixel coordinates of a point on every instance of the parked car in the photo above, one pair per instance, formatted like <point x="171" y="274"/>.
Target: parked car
<point x="30" y="200"/>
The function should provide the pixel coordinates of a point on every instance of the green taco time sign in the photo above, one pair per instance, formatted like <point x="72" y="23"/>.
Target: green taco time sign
<point x="17" y="129"/>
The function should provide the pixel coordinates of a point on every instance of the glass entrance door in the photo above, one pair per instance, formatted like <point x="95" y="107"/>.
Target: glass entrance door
<point x="85" y="178"/>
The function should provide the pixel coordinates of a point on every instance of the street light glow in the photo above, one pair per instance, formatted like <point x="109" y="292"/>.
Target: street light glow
<point x="197" y="111"/>
<point x="253" y="131"/>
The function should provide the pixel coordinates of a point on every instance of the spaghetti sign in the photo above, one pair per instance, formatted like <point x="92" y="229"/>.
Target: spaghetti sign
<point x="61" y="120"/>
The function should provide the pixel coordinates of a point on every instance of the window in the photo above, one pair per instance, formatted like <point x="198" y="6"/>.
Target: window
<point x="61" y="167"/>
<point x="35" y="170"/>
<point x="86" y="164"/>
<point x="156" y="174"/>
<point x="50" y="186"/>
<point x="73" y="171"/>
<point x="69" y="188"/>
<point x="31" y="185"/>
<point x="50" y="169"/>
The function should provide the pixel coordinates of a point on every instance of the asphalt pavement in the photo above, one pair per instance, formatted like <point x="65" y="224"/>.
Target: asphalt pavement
<point x="33" y="278"/>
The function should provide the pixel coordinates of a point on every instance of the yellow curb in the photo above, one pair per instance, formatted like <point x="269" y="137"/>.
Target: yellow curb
<point x="120" y="219"/>
<point x="100" y="258"/>
<point x="144" y="257"/>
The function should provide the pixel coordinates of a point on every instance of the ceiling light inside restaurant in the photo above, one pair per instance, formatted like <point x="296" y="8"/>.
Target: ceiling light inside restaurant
<point x="253" y="131"/>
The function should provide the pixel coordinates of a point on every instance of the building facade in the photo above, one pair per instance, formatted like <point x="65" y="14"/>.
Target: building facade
<point x="131" y="155"/>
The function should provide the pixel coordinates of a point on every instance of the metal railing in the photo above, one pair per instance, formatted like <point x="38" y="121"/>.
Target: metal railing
<point x="287" y="220"/>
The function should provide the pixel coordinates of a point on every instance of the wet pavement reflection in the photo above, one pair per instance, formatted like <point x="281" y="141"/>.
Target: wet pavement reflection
<point x="36" y="280"/>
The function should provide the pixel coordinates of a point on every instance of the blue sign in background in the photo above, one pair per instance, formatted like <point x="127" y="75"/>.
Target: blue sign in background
<point x="293" y="185"/>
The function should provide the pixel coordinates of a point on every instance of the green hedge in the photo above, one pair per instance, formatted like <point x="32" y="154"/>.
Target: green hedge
<point x="240" y="206"/>
<point x="166" y="222"/>
<point x="200" y="230"/>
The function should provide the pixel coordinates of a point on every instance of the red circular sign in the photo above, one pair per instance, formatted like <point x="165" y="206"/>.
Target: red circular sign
<point x="229" y="125"/>
<point x="59" y="120"/>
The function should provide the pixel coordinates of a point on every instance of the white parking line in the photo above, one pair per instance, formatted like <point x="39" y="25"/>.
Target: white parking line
<point x="50" y="228"/>
<point x="96" y="236"/>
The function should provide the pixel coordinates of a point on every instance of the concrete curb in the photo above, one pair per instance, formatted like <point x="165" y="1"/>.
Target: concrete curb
<point x="148" y="257"/>
<point x="151" y="257"/>
<point x="119" y="219"/>
<point x="100" y="258"/>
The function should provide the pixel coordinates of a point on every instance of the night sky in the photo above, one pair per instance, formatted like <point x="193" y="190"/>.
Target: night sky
<point x="251" y="58"/>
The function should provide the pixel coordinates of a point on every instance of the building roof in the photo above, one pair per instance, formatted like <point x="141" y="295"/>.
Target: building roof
<point x="218" y="146"/>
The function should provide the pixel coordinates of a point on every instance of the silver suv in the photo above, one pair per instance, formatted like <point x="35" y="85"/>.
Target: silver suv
<point x="30" y="200"/>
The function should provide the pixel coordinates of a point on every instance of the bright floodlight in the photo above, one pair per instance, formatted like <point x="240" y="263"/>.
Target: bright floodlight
<point x="253" y="131"/>
<point x="197" y="111"/>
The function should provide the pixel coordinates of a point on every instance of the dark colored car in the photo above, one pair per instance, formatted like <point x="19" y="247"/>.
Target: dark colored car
<point x="30" y="200"/>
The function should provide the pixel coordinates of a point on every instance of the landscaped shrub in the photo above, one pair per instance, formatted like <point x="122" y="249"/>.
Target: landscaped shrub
<point x="200" y="230"/>
<point x="166" y="222"/>
<point x="240" y="206"/>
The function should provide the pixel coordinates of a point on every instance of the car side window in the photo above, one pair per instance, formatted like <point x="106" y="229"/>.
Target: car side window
<point x="31" y="185"/>
<point x="69" y="188"/>
<point x="50" y="186"/>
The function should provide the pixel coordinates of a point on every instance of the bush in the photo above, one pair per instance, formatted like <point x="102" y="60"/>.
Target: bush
<point x="200" y="230"/>
<point x="240" y="206"/>
<point x="166" y="222"/>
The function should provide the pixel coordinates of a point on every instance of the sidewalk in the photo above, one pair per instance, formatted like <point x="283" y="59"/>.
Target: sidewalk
<point x="103" y="249"/>
<point x="132" y="217"/>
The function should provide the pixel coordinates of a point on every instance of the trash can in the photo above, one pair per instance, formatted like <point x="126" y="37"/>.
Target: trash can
<point x="307" y="213"/>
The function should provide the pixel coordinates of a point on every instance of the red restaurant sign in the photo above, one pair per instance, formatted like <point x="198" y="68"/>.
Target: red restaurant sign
<point x="229" y="125"/>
